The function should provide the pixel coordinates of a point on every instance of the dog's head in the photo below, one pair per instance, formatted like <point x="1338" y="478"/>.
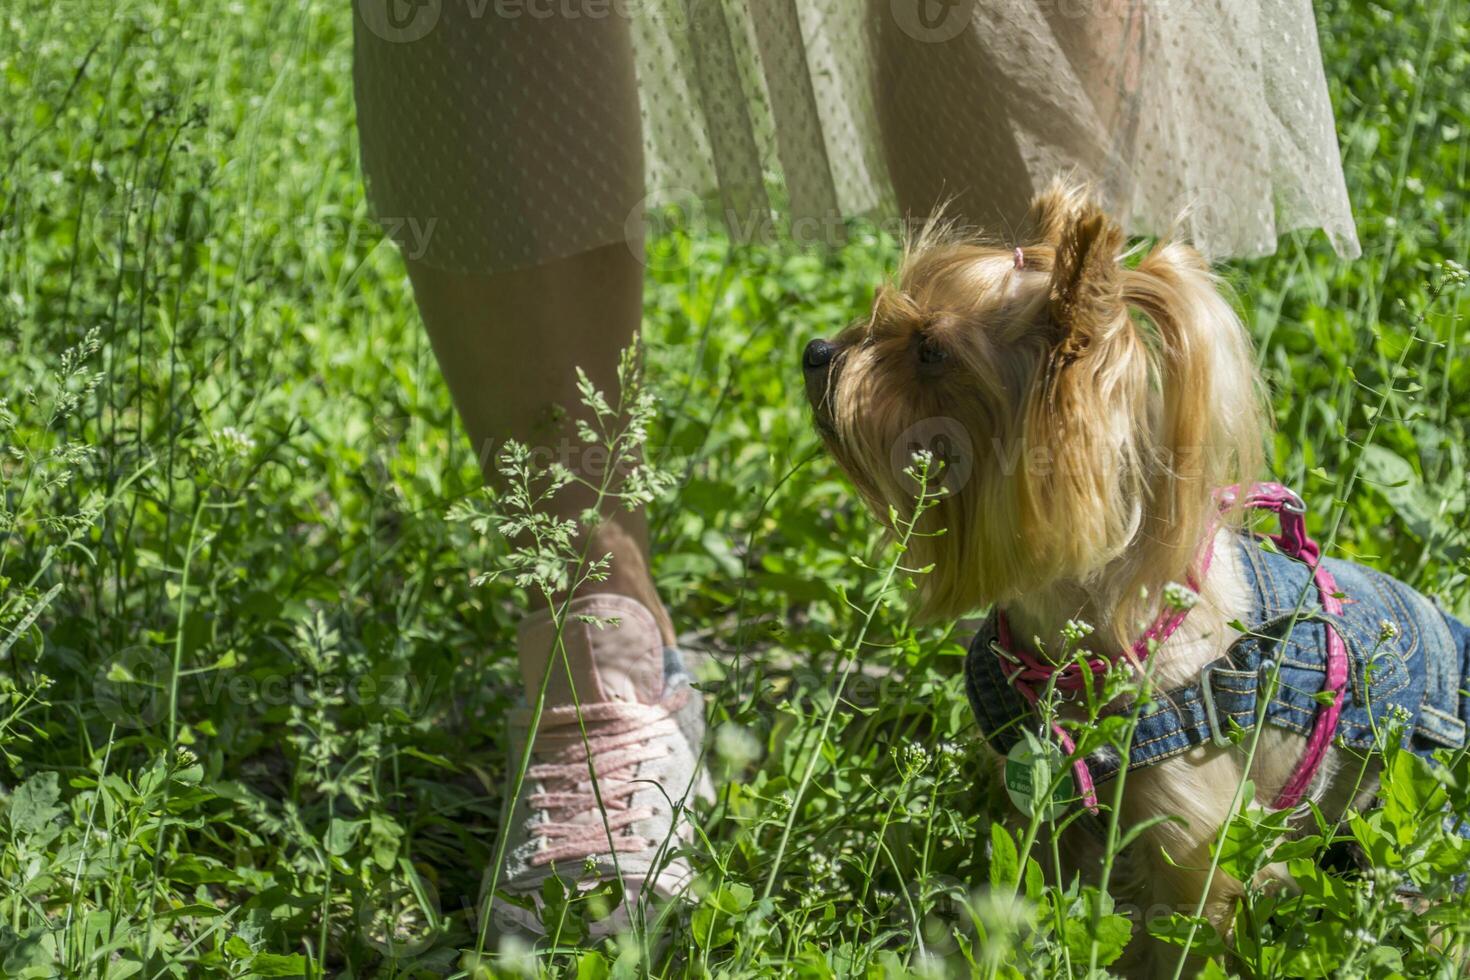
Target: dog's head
<point x="1081" y="411"/>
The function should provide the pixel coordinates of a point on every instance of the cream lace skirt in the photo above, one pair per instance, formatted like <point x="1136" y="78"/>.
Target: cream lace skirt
<point x="503" y="133"/>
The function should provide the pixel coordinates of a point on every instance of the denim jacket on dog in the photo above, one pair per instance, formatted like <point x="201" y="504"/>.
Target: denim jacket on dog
<point x="1405" y="655"/>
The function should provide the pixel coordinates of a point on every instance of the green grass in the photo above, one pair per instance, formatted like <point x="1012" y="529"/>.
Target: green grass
<point x="251" y="702"/>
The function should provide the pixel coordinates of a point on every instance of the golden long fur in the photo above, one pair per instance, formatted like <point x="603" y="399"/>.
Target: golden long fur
<point x="1114" y="401"/>
<point x="1097" y="404"/>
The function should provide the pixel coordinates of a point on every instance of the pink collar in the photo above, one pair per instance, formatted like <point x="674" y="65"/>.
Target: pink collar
<point x="1032" y="674"/>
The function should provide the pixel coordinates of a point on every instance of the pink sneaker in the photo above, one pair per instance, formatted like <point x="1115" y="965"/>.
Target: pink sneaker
<point x="644" y="725"/>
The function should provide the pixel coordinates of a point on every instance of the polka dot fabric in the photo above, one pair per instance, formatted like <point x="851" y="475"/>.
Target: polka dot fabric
<point x="498" y="134"/>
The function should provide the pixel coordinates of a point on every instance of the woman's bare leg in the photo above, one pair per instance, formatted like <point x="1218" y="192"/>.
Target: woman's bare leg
<point x="545" y="149"/>
<point x="509" y="345"/>
<point x="514" y="135"/>
<point x="947" y="133"/>
<point x="950" y="105"/>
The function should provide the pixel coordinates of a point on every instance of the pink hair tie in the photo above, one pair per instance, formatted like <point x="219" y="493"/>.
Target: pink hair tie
<point x="1020" y="259"/>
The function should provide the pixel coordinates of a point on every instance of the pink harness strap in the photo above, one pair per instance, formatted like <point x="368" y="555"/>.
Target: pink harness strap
<point x="1033" y="674"/>
<point x="1296" y="543"/>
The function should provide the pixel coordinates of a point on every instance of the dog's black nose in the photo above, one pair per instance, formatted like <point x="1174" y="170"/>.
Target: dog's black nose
<point x="818" y="354"/>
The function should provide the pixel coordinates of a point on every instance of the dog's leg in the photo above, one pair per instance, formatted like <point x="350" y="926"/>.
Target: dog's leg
<point x="1169" y="863"/>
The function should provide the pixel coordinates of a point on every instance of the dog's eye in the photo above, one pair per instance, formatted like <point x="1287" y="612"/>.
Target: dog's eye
<point x="931" y="353"/>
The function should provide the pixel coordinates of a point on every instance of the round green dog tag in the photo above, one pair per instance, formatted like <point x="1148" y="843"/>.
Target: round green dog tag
<point x="1030" y="766"/>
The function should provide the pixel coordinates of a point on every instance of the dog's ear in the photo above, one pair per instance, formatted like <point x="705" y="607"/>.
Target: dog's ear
<point x="1086" y="292"/>
<point x="1055" y="209"/>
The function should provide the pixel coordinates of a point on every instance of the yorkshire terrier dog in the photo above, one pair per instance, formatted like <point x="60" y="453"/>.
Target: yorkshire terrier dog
<point x="1099" y="417"/>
